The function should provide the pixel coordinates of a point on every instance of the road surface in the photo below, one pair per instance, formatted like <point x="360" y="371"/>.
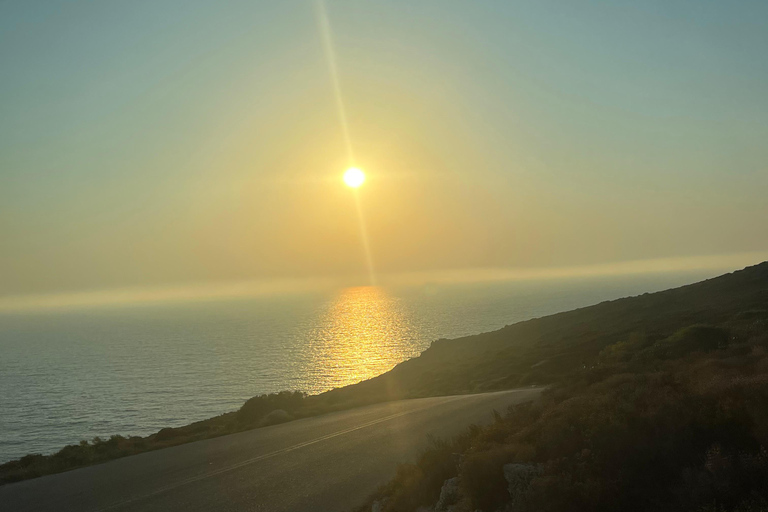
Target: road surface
<point x="326" y="463"/>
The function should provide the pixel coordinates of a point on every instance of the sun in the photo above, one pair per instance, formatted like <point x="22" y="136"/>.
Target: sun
<point x="354" y="177"/>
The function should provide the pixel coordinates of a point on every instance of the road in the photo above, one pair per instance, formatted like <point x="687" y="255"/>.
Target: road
<point x="326" y="463"/>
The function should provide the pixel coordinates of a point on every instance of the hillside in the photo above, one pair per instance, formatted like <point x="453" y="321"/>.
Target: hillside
<point x="656" y="403"/>
<point x="540" y="350"/>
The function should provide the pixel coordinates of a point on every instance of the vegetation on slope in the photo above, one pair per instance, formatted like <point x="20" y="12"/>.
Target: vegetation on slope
<point x="678" y="422"/>
<point x="539" y="351"/>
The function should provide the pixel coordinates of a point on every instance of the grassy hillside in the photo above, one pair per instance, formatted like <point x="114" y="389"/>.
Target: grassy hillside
<point x="540" y="351"/>
<point x="662" y="407"/>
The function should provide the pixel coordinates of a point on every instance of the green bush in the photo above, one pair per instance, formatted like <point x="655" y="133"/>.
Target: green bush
<point x="696" y="338"/>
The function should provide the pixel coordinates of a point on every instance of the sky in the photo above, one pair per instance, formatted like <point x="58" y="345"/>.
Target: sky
<point x="167" y="142"/>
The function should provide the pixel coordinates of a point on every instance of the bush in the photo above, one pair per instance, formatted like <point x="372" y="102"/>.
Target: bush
<point x="696" y="338"/>
<point x="275" y="417"/>
<point x="482" y="477"/>
<point x="255" y="409"/>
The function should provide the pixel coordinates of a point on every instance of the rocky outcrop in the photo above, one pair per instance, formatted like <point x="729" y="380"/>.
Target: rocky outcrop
<point x="449" y="496"/>
<point x="519" y="477"/>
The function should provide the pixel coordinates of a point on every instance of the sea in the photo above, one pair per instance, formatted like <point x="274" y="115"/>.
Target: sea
<point x="74" y="374"/>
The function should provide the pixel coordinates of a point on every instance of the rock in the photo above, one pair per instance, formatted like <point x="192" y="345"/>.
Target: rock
<point x="449" y="495"/>
<point x="519" y="477"/>
<point x="376" y="507"/>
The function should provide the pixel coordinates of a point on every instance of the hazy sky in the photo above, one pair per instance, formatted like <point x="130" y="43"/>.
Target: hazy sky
<point x="169" y="142"/>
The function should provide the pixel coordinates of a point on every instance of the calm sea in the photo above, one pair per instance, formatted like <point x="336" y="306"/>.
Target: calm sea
<point x="77" y="374"/>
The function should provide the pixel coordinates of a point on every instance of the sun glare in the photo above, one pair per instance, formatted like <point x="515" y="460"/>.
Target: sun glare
<point x="354" y="177"/>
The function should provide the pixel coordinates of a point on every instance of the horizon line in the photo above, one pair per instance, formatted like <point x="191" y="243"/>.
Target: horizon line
<point x="263" y="287"/>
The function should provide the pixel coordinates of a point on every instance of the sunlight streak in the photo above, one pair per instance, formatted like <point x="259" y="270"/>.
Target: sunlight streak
<point x="364" y="238"/>
<point x="330" y="56"/>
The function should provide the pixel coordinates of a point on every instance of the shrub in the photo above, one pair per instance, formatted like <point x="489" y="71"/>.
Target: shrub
<point x="482" y="478"/>
<point x="275" y="417"/>
<point x="256" y="408"/>
<point x="696" y="338"/>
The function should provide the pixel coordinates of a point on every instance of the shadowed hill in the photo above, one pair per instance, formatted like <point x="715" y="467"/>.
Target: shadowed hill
<point x="656" y="403"/>
<point x="540" y="350"/>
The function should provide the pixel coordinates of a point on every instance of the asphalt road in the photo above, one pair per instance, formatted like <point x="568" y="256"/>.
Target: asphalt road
<point x="327" y="463"/>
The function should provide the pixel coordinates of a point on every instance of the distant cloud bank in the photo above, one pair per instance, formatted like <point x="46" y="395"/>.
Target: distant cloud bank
<point x="254" y="288"/>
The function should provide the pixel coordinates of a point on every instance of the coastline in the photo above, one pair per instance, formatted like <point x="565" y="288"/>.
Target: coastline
<point x="539" y="351"/>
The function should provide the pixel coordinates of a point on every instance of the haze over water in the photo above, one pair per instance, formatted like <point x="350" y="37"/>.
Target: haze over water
<point x="72" y="375"/>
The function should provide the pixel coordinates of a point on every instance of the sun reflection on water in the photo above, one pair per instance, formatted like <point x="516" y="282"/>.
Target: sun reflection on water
<point x="364" y="332"/>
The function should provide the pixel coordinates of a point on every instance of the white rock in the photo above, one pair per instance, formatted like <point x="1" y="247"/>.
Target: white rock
<point x="449" y="495"/>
